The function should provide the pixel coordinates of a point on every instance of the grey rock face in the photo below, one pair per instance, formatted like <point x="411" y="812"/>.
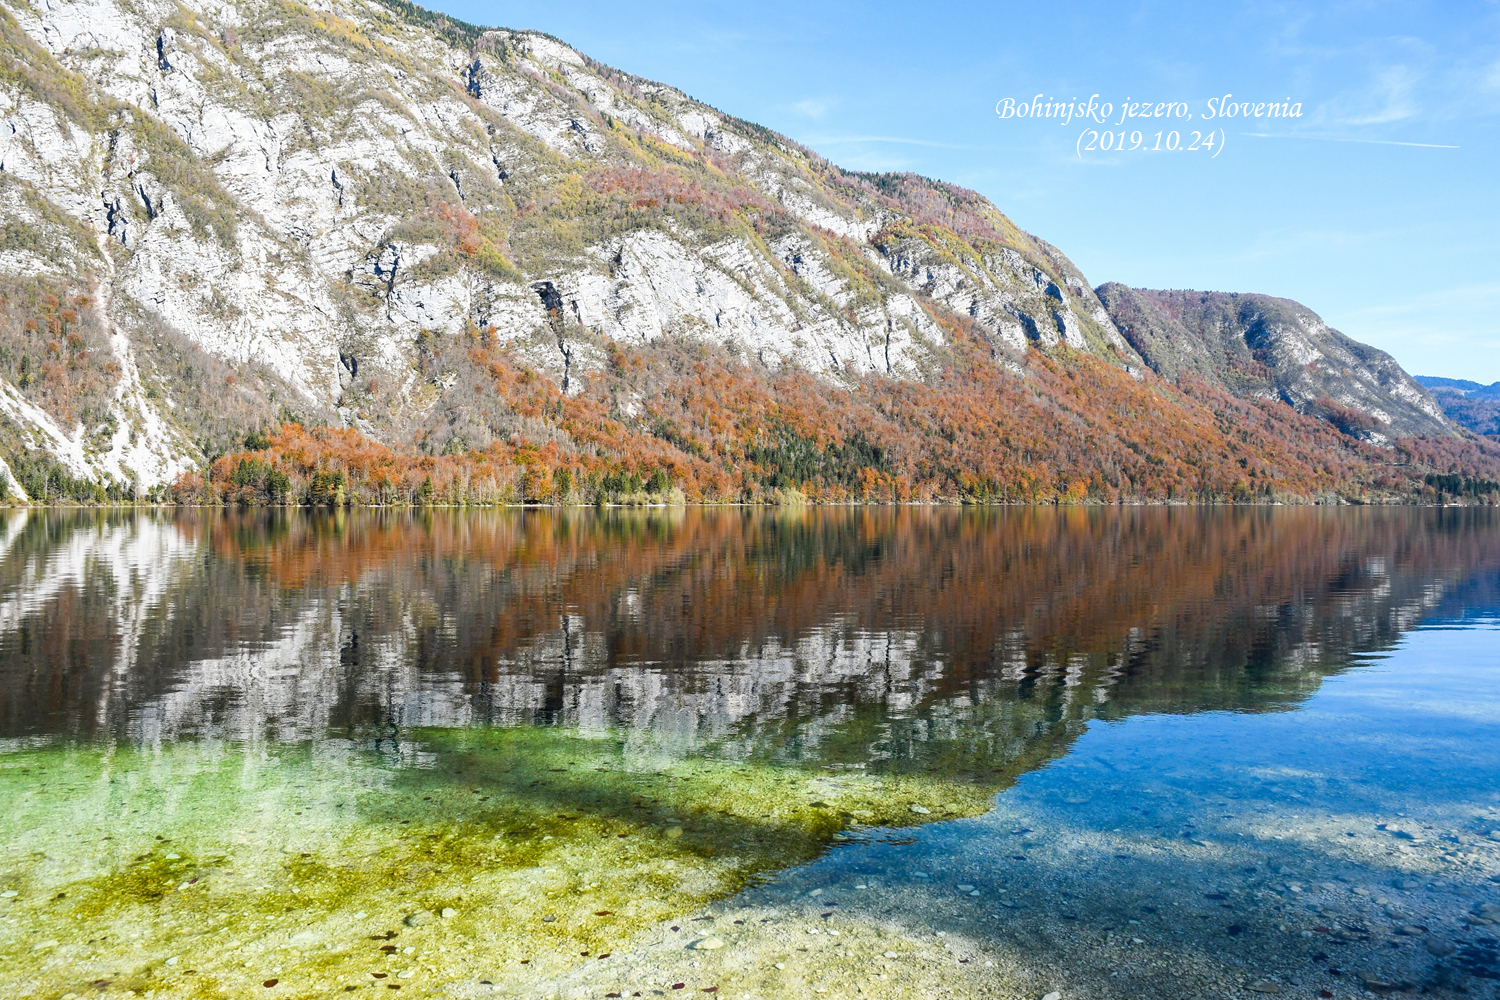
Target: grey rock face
<point x="292" y="207"/>
<point x="1257" y="345"/>
<point x="295" y="198"/>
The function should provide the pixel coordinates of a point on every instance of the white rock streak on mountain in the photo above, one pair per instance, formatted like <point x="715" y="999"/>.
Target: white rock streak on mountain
<point x="284" y="187"/>
<point x="332" y="129"/>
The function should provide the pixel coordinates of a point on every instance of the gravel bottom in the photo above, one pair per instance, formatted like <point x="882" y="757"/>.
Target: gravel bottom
<point x="1025" y="906"/>
<point x="1102" y="880"/>
<point x="1349" y="848"/>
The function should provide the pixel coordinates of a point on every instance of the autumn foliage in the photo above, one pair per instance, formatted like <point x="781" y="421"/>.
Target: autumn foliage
<point x="56" y="351"/>
<point x="1040" y="587"/>
<point x="706" y="427"/>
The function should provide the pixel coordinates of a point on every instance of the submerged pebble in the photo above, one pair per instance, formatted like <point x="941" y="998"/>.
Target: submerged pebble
<point x="1375" y="983"/>
<point x="1441" y="947"/>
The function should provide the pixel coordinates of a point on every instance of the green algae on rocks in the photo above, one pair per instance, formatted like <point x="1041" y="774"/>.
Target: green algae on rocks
<point x="203" y="869"/>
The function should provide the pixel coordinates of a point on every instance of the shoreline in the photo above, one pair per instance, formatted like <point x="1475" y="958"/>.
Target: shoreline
<point x="749" y="505"/>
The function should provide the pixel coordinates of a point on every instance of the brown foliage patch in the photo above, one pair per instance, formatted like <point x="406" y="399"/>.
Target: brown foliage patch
<point x="55" y="349"/>
<point x="1074" y="429"/>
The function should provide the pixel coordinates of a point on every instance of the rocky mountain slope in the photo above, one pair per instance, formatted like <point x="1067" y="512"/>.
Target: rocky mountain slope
<point x="1466" y="403"/>
<point x="1256" y="345"/>
<point x="290" y="198"/>
<point x="217" y="216"/>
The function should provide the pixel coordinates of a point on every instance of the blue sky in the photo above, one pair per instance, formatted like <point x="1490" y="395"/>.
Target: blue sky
<point x="1360" y="208"/>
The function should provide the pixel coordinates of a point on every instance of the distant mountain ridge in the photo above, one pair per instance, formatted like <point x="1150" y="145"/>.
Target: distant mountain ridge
<point x="1257" y="345"/>
<point x="1471" y="405"/>
<point x="1477" y="390"/>
<point x="490" y="267"/>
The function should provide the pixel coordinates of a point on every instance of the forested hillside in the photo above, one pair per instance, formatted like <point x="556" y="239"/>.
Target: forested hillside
<point x="706" y="427"/>
<point x="1468" y="404"/>
<point x="352" y="252"/>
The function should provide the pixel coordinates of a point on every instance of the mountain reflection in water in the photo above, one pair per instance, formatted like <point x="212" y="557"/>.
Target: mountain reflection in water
<point x="268" y="743"/>
<point x="887" y="638"/>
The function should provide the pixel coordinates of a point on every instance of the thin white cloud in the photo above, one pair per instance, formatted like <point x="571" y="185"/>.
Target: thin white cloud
<point x="1343" y="138"/>
<point x="1397" y="101"/>
<point x="1490" y="78"/>
<point x="1391" y="95"/>
<point x="1422" y="303"/>
<point x="813" y="107"/>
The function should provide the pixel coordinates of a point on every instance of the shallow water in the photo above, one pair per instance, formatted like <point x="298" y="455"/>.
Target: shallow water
<point x="508" y="752"/>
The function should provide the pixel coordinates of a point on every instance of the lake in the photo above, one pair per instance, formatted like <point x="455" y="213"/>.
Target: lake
<point x="885" y="752"/>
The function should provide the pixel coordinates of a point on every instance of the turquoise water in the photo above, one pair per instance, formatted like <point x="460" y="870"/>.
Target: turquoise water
<point x="1341" y="849"/>
<point x="472" y="753"/>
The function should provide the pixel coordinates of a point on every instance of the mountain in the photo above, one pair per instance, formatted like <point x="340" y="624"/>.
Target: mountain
<point x="1256" y="345"/>
<point x="350" y="248"/>
<point x="1461" y="385"/>
<point x="1468" y="404"/>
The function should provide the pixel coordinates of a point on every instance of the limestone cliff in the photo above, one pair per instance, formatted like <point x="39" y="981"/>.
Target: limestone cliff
<point x="216" y="214"/>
